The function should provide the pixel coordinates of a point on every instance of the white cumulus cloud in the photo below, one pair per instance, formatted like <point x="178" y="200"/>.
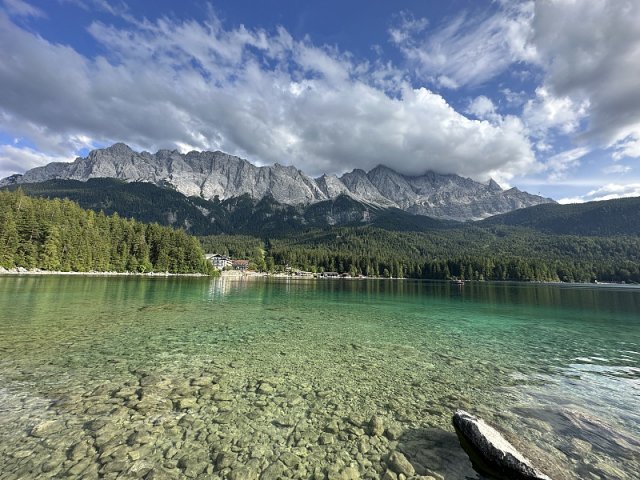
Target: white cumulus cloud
<point x="589" y="52"/>
<point x="482" y="107"/>
<point x="547" y="111"/>
<point x="14" y="158"/>
<point x="609" y="191"/>
<point x="262" y="95"/>
<point x="583" y="57"/>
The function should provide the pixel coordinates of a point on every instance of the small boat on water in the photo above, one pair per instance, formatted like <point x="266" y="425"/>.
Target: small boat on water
<point x="457" y="281"/>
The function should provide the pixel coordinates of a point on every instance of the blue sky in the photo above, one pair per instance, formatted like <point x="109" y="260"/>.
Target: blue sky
<point x="539" y="95"/>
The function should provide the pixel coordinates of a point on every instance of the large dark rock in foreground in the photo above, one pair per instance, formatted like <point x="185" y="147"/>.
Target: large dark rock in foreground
<point x="490" y="452"/>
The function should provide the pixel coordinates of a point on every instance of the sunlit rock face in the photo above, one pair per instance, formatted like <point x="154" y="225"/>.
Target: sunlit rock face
<point x="211" y="174"/>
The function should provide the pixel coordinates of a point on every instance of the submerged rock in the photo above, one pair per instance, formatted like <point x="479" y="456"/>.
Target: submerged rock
<point x="376" y="426"/>
<point x="47" y="428"/>
<point x="186" y="403"/>
<point x="490" y="452"/>
<point x="399" y="463"/>
<point x="274" y="471"/>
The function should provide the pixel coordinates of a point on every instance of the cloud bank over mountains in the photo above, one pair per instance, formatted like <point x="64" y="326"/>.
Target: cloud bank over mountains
<point x="269" y="97"/>
<point x="263" y="95"/>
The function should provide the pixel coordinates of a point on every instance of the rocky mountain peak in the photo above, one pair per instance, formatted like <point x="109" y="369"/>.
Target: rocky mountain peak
<point x="117" y="149"/>
<point x="211" y="174"/>
<point x="493" y="186"/>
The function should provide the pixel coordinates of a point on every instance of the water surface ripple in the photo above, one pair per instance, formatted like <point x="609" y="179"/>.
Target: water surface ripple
<point x="201" y="378"/>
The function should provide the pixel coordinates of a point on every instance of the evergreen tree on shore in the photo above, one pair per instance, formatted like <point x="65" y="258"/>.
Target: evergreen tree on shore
<point x="469" y="253"/>
<point x="59" y="235"/>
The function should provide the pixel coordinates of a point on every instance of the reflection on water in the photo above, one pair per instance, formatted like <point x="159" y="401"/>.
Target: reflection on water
<point x="230" y="378"/>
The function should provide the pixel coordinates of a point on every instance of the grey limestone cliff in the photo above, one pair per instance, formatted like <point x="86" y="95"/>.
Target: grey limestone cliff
<point x="211" y="174"/>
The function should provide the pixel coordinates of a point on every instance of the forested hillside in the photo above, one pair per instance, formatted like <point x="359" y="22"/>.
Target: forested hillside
<point x="588" y="242"/>
<point x="238" y="215"/>
<point x="59" y="235"/>
<point x="143" y="201"/>
<point x="608" y="217"/>
<point x="469" y="252"/>
<point x="241" y="215"/>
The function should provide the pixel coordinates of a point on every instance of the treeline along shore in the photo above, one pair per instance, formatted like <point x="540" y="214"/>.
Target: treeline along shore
<point x="58" y="235"/>
<point x="495" y="253"/>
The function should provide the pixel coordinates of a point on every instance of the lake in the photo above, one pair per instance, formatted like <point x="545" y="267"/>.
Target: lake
<point x="112" y="377"/>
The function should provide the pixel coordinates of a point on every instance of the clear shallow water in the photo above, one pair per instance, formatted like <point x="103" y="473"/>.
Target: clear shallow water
<point x="185" y="377"/>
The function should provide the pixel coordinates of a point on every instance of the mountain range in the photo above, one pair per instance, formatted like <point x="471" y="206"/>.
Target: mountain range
<point x="361" y="223"/>
<point x="221" y="177"/>
<point x="237" y="215"/>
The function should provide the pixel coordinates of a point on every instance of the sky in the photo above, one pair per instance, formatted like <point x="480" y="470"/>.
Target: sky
<point x="541" y="95"/>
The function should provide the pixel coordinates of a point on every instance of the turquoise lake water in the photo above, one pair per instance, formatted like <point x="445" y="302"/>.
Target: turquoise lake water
<point x="127" y="377"/>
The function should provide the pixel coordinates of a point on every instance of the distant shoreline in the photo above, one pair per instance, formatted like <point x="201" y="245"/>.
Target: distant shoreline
<point x="235" y="275"/>
<point x="37" y="271"/>
<point x="231" y="274"/>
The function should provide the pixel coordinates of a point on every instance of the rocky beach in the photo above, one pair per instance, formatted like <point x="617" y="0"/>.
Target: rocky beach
<point x="210" y="426"/>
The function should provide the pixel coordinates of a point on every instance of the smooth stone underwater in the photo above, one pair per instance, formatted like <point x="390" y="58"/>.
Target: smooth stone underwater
<point x="194" y="378"/>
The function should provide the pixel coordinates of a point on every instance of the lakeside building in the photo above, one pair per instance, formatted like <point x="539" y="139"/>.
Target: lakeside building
<point x="330" y="274"/>
<point x="301" y="273"/>
<point x="241" y="265"/>
<point x="219" y="261"/>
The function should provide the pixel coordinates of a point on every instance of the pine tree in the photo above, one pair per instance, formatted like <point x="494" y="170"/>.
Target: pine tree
<point x="51" y="250"/>
<point x="9" y="241"/>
